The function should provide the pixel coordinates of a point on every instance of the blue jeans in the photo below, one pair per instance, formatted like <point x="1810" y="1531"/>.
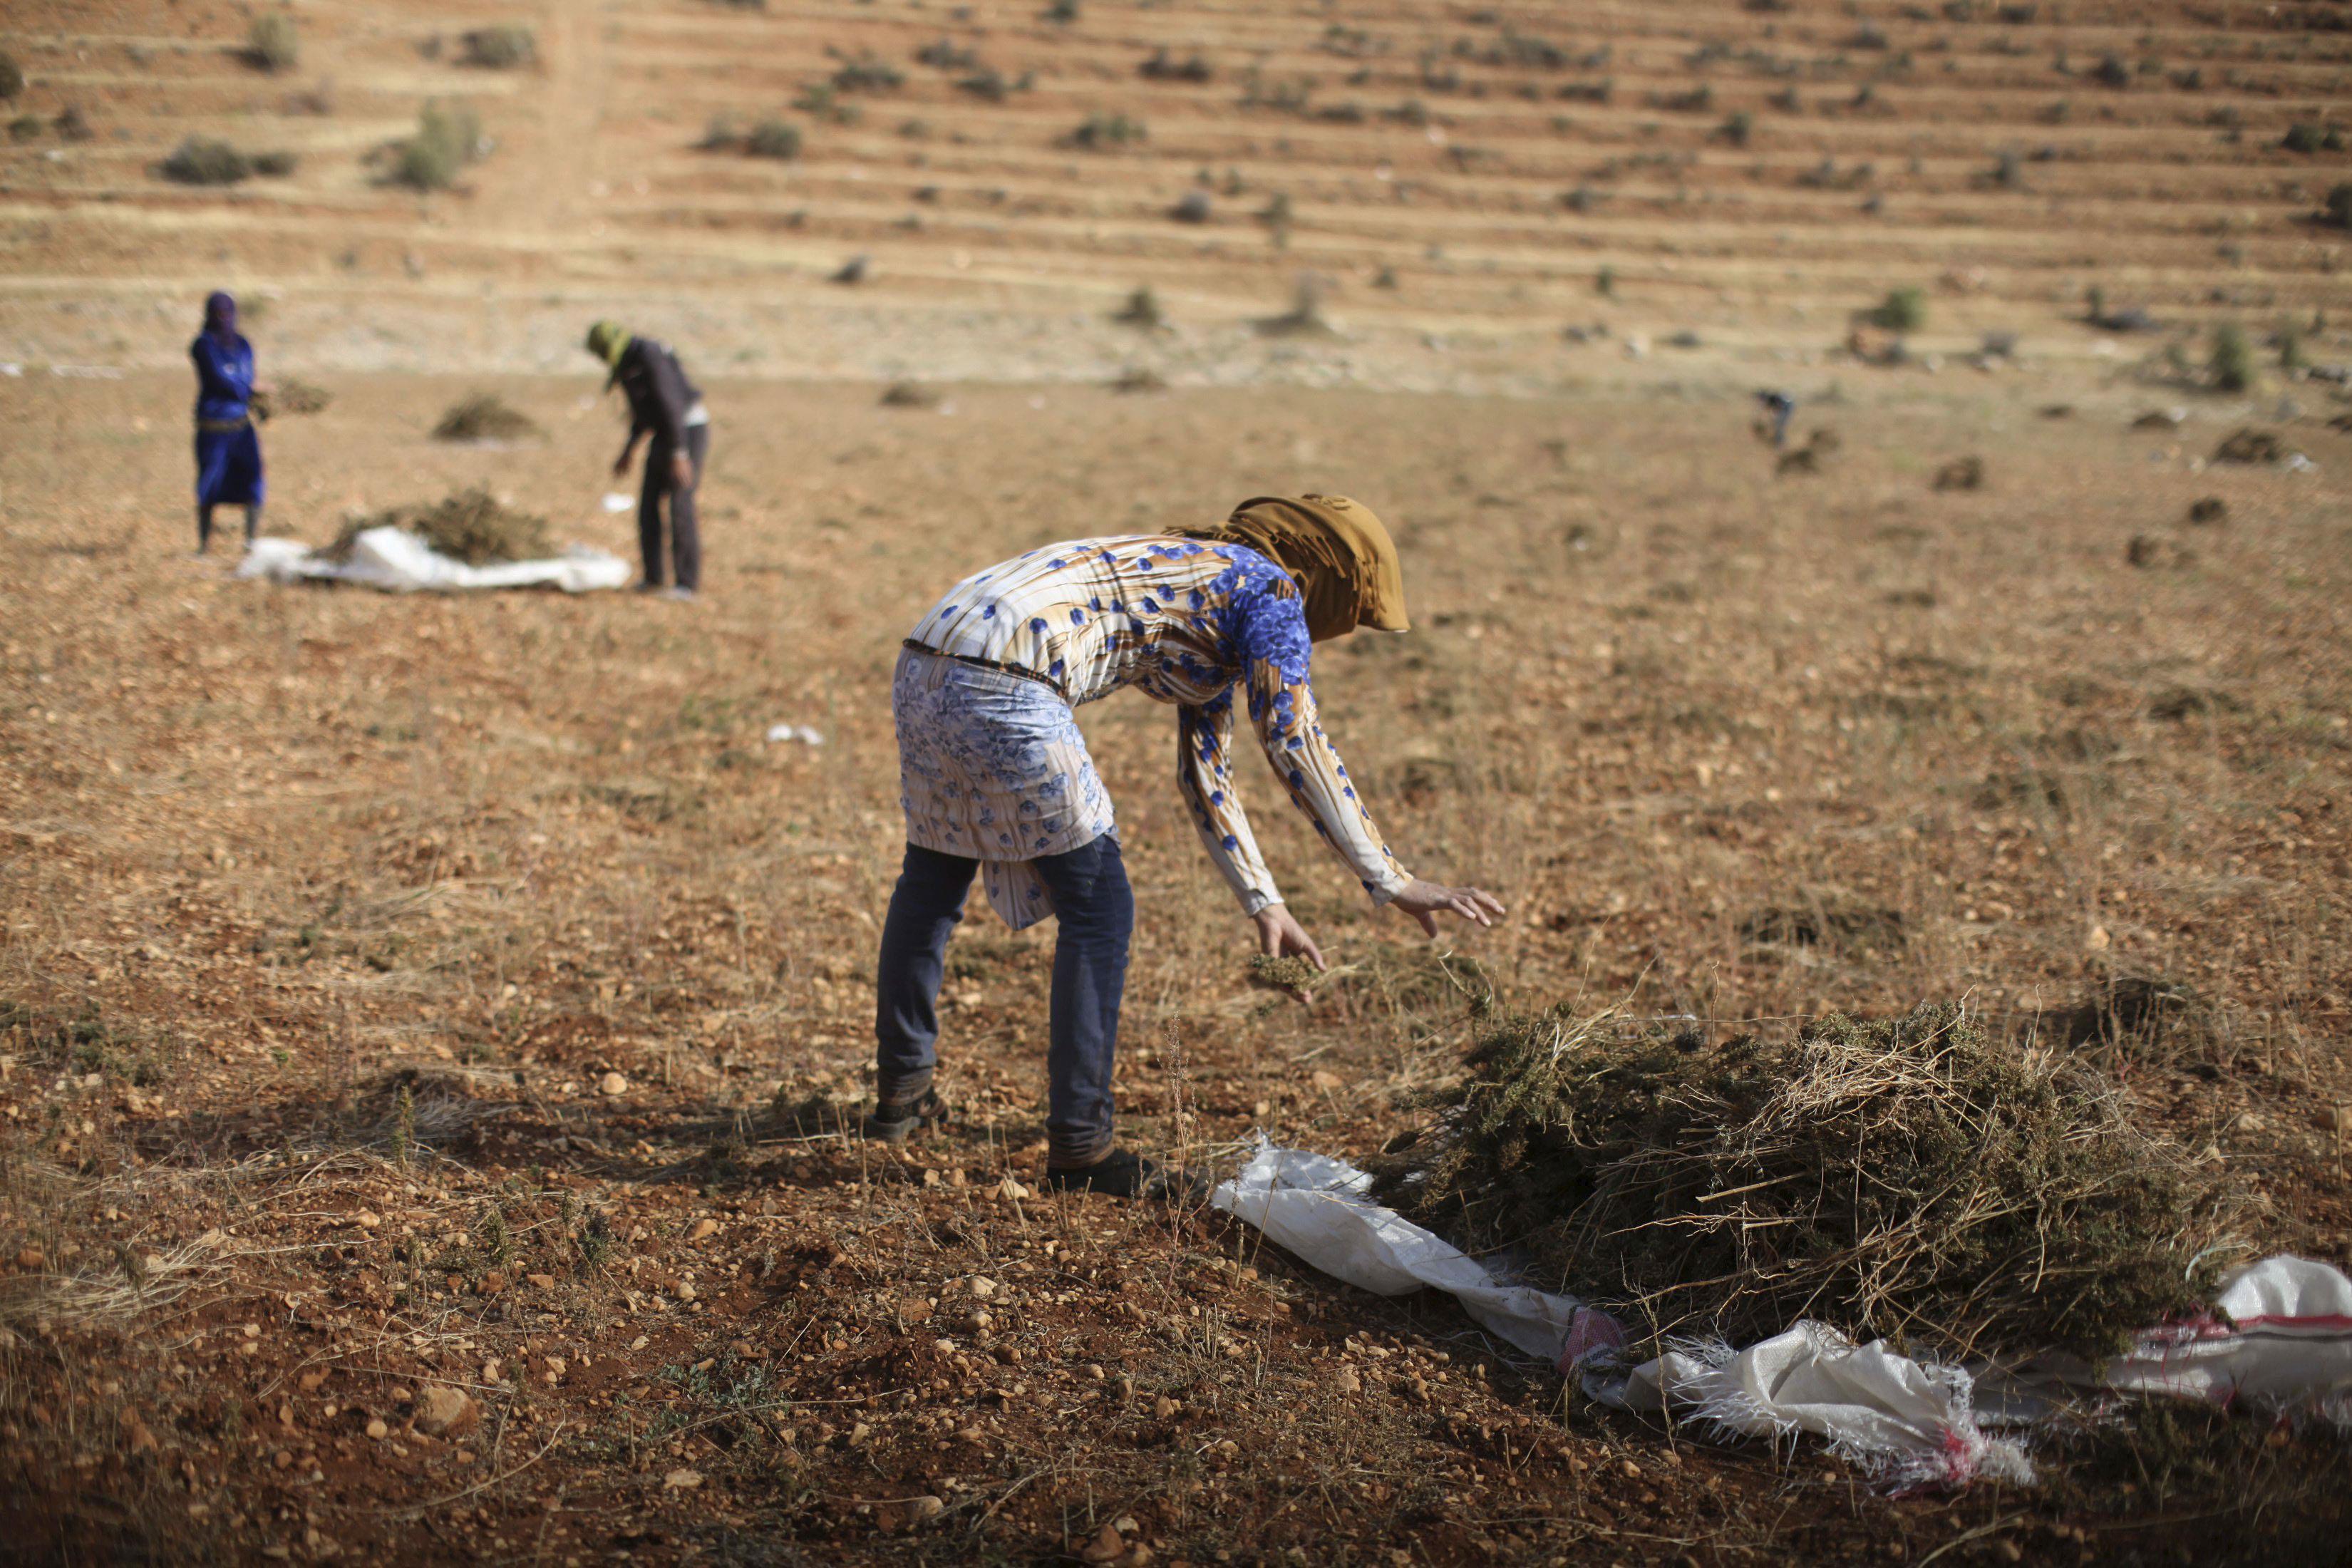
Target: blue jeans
<point x="1095" y="911"/>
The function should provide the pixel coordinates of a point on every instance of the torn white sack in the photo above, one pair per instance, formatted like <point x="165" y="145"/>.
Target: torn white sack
<point x="1319" y="1208"/>
<point x="399" y="561"/>
<point x="1910" y="1423"/>
<point x="1895" y="1417"/>
<point x="2279" y="1341"/>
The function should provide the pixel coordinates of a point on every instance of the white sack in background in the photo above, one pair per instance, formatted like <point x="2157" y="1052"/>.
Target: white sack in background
<point x="2280" y="1339"/>
<point x="398" y="560"/>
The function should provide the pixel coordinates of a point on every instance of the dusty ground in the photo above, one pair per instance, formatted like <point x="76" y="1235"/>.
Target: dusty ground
<point x="425" y="1016"/>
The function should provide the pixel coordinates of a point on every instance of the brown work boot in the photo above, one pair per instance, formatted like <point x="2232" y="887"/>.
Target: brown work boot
<point x="897" y="1123"/>
<point x="1124" y="1174"/>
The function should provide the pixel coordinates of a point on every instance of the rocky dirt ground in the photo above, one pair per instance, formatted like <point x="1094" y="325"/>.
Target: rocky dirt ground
<point x="428" y="1021"/>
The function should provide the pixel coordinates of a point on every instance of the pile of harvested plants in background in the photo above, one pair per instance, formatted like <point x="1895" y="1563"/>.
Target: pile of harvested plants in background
<point x="471" y="526"/>
<point x="292" y="396"/>
<point x="1906" y="1178"/>
<point x="484" y="416"/>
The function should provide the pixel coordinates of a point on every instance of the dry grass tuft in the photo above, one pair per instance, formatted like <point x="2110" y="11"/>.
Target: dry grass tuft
<point x="292" y="396"/>
<point x="1906" y="1177"/>
<point x="908" y="395"/>
<point x="2250" y="446"/>
<point x="130" y="1286"/>
<point x="1961" y="474"/>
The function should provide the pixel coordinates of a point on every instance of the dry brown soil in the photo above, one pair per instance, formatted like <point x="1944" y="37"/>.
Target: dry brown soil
<point x="327" y="919"/>
<point x="275" y="858"/>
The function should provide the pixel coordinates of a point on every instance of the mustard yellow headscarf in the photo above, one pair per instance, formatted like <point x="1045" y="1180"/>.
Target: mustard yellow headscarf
<point x="1337" y="551"/>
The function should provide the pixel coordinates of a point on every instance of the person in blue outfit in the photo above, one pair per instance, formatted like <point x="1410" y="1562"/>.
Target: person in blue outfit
<point x="228" y="451"/>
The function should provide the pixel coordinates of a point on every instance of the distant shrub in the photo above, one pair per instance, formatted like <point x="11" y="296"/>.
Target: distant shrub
<point x="1903" y="311"/>
<point x="1142" y="309"/>
<point x="820" y="100"/>
<point x="1604" y="282"/>
<point x="203" y="161"/>
<point x="2306" y="136"/>
<point x="1164" y="66"/>
<point x="987" y="83"/>
<point x="2230" y="364"/>
<point x="12" y="78"/>
<point x="1062" y="12"/>
<point x="2339" y="208"/>
<point x="25" y="127"/>
<point x="72" y="125"/>
<point x="271" y="44"/>
<point x="720" y="134"/>
<point x="276" y="164"/>
<point x="774" y="139"/>
<point x="2008" y="170"/>
<point x="868" y="73"/>
<point x="2289" y="339"/>
<point x="1737" y="129"/>
<point x="424" y="165"/>
<point x="1304" y="318"/>
<point x="947" y="55"/>
<point x="1098" y="132"/>
<point x="2113" y="72"/>
<point x="500" y="49"/>
<point x="1193" y="207"/>
<point x="449" y="137"/>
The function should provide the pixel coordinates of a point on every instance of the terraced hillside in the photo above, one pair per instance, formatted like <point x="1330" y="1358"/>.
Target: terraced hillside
<point x="1453" y="176"/>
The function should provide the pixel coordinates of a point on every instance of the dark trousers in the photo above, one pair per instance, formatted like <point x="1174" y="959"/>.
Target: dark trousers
<point x="1095" y="910"/>
<point x="685" y="539"/>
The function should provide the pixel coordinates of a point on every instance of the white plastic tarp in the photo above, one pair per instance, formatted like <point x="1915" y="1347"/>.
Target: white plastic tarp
<point x="398" y="560"/>
<point x="2280" y="1340"/>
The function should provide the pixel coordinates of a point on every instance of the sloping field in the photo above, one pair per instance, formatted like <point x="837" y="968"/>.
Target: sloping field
<point x="427" y="1023"/>
<point x="1749" y="173"/>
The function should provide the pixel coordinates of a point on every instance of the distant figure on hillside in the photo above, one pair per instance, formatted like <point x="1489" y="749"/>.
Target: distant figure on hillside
<point x="1778" y="407"/>
<point x="667" y="405"/>
<point x="229" y="452"/>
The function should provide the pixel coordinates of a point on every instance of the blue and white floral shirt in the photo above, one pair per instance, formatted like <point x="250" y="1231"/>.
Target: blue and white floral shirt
<point x="1186" y="622"/>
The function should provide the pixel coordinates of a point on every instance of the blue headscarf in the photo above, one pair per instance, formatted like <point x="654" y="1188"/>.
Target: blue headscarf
<point x="220" y="318"/>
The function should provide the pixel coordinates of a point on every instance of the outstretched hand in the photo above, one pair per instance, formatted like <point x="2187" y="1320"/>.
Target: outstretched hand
<point x="1423" y="900"/>
<point x="1280" y="936"/>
